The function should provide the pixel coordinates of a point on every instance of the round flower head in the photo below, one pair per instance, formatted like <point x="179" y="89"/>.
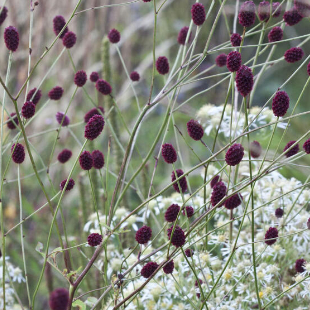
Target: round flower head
<point x="280" y="103"/>
<point x="94" y="239"/>
<point x="246" y="14"/>
<point x="218" y="193"/>
<point x="299" y="265"/>
<point x="62" y="119"/>
<point x="178" y="237"/>
<point x="28" y="109"/>
<point x="11" y="38"/>
<point x="59" y="299"/>
<point x="114" y="36"/>
<point x="308" y="68"/>
<point x="10" y="123"/>
<point x="3" y="15"/>
<point x="182" y="181"/>
<point x="194" y="130"/>
<point x="143" y="235"/>
<point x="244" y="80"/>
<point x="69" y="39"/>
<point x="275" y="34"/>
<point x="234" y="154"/>
<point x="293" y="54"/>
<point x="103" y="87"/>
<point x="198" y="14"/>
<point x="255" y="149"/>
<point x="308" y="223"/>
<point x="302" y="7"/>
<point x="148" y="269"/>
<point x="147" y="0"/>
<point x="220" y="60"/>
<point x="94" y="127"/>
<point x="271" y="233"/>
<point x="189" y="252"/>
<point x="168" y="268"/>
<point x="58" y="24"/>
<point x="69" y="186"/>
<point x="306" y="146"/>
<point x="18" y="153"/>
<point x="34" y="95"/>
<point x="292" y="17"/>
<point x="276" y="9"/>
<point x="294" y="150"/>
<point x="134" y="76"/>
<point x="92" y="112"/>
<point x="235" y="39"/>
<point x="188" y="211"/>
<point x="182" y="35"/>
<point x="94" y="77"/>
<point x="80" y="78"/>
<point x="196" y="282"/>
<point x="169" y="153"/>
<point x="279" y="213"/>
<point x="233" y="202"/>
<point x="215" y="180"/>
<point x="86" y="160"/>
<point x="162" y="65"/>
<point x="171" y="213"/>
<point x="56" y="93"/>
<point x="64" y="156"/>
<point x="98" y="159"/>
<point x="264" y="11"/>
<point x="233" y="61"/>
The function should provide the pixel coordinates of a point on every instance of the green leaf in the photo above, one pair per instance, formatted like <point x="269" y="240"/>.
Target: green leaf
<point x="79" y="304"/>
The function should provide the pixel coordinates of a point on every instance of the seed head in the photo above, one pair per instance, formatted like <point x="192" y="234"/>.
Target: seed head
<point x="86" y="160"/>
<point x="148" y="269"/>
<point x="198" y="14"/>
<point x="80" y="78"/>
<point x="59" y="299"/>
<point x="292" y="17"/>
<point x="10" y="123"/>
<point x="94" y="127"/>
<point x="94" y="239"/>
<point x="247" y="14"/>
<point x="279" y="213"/>
<point x="275" y="34"/>
<point x="280" y="103"/>
<point x="299" y="265"/>
<point x="182" y="181"/>
<point x="3" y="14"/>
<point x="58" y="23"/>
<point x="218" y="193"/>
<point x="220" y="60"/>
<point x="168" y="268"/>
<point x="56" y="93"/>
<point x="271" y="233"/>
<point x="244" y="80"/>
<point x="169" y="154"/>
<point x="103" y="87"/>
<point x="306" y="146"/>
<point x="92" y="112"/>
<point x="171" y="213"/>
<point x="62" y="119"/>
<point x="143" y="235"/>
<point x="215" y="180"/>
<point x="264" y="11"/>
<point x="69" y="39"/>
<point x="69" y="186"/>
<point x="64" y="156"/>
<point x="194" y="130"/>
<point x="235" y="39"/>
<point x="234" y="154"/>
<point x="293" y="54"/>
<point x="294" y="150"/>
<point x="302" y="7"/>
<point x="182" y="35"/>
<point x="98" y="159"/>
<point x="28" y="109"/>
<point x="233" y="202"/>
<point x="188" y="211"/>
<point x="255" y="149"/>
<point x="162" y="65"/>
<point x="233" y="61"/>
<point x="134" y="76"/>
<point x="94" y="77"/>
<point x="276" y="9"/>
<point x="114" y="36"/>
<point x="34" y="95"/>
<point x="11" y="38"/>
<point x="18" y="153"/>
<point x="178" y="237"/>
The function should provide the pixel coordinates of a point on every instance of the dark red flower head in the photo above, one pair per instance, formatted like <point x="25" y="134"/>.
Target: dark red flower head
<point x="34" y="95"/>
<point x="94" y="239"/>
<point x="233" y="61"/>
<point x="86" y="160"/>
<point x="3" y="15"/>
<point x="271" y="233"/>
<point x="275" y="34"/>
<point x="148" y="269"/>
<point x="168" y="268"/>
<point x="143" y="235"/>
<point x="188" y="211"/>
<point x="215" y="180"/>
<point x="308" y="69"/>
<point x="103" y="87"/>
<point x="244" y="80"/>
<point x="220" y="60"/>
<point x="11" y="38"/>
<point x="182" y="181"/>
<point x="98" y="159"/>
<point x="59" y="299"/>
<point x="292" y="17"/>
<point x="114" y="36"/>
<point x="198" y="14"/>
<point x="18" y="153"/>
<point x="246" y="14"/>
<point x="94" y="127"/>
<point x="189" y="252"/>
<point x="234" y="154"/>
<point x="182" y="35"/>
<point x="134" y="76"/>
<point x="194" y="130"/>
<point x="92" y="112"/>
<point x="218" y="193"/>
<point x="169" y="153"/>
<point x="56" y="93"/>
<point x="306" y="146"/>
<point x="280" y="103"/>
<point x="178" y="237"/>
<point x="299" y="265"/>
<point x="69" y="39"/>
<point x="255" y="149"/>
<point x="196" y="282"/>
<point x="28" y="109"/>
<point x="172" y="212"/>
<point x="308" y="223"/>
<point x="235" y="39"/>
<point x="162" y="65"/>
<point x="62" y="119"/>
<point x="233" y="202"/>
<point x="276" y="9"/>
<point x="264" y="11"/>
<point x="279" y="212"/>
<point x="10" y="123"/>
<point x="69" y="186"/>
<point x="293" y="54"/>
<point x="94" y="77"/>
<point x="64" y="156"/>
<point x="302" y="7"/>
<point x="58" y="24"/>
<point x="80" y="78"/>
<point x="294" y="150"/>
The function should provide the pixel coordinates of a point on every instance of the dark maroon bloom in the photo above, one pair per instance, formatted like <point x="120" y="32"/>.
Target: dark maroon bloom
<point x="308" y="68"/>
<point x="148" y="269"/>
<point x="247" y="14"/>
<point x="10" y="123"/>
<point x="169" y="153"/>
<point x="194" y="130"/>
<point x="280" y="103"/>
<point x="189" y="252"/>
<point x="308" y="223"/>
<point x="59" y="299"/>
<point x="292" y="17"/>
<point x="28" y="109"/>
<point x="58" y="24"/>
<point x="162" y="65"/>
<point x="293" y="54"/>
<point x="233" y="61"/>
<point x="264" y="11"/>
<point x="198" y="295"/>
<point x="182" y="35"/>
<point x="294" y="150"/>
<point x="271" y="233"/>
<point x="94" y="239"/>
<point x="188" y="211"/>
<point x="64" y="156"/>
<point x="11" y="38"/>
<point x="172" y="212"/>
<point x="98" y="159"/>
<point x="56" y="93"/>
<point x="302" y="7"/>
<point x="69" y="39"/>
<point x="94" y="77"/>
<point x="279" y="213"/>
<point x="276" y="9"/>
<point x="235" y="39"/>
<point x="234" y="154"/>
<point x="62" y="119"/>
<point x="18" y="153"/>
<point x="182" y="182"/>
<point x="198" y="14"/>
<point x="147" y="0"/>
<point x="86" y="160"/>
<point x="233" y="202"/>
<point x="178" y="237"/>
<point x="114" y="36"/>
<point x="143" y="235"/>
<point x="218" y="193"/>
<point x="306" y="146"/>
<point x="134" y="76"/>
<point x="220" y="60"/>
<point x="215" y="180"/>
<point x="299" y="265"/>
<point x="275" y="34"/>
<point x="244" y="80"/>
<point x="196" y="282"/>
<point x="103" y="87"/>
<point x="3" y="15"/>
<point x="80" y="78"/>
<point x="255" y="149"/>
<point x="168" y="268"/>
<point x="69" y="186"/>
<point x="92" y="112"/>
<point x="94" y="127"/>
<point x="34" y="95"/>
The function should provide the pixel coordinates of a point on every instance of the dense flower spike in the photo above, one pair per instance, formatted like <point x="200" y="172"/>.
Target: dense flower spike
<point x="98" y="159"/>
<point x="64" y="156"/>
<point x="235" y="39"/>
<point x="69" y="39"/>
<point x="28" y="109"/>
<point x="58" y="23"/>
<point x="34" y="95"/>
<point x="194" y="130"/>
<point x="169" y="153"/>
<point x="94" y="127"/>
<point x="86" y="160"/>
<point x="103" y="87"/>
<point x="188" y="211"/>
<point x="276" y="9"/>
<point x="182" y="181"/>
<point x="280" y="103"/>
<point x="294" y="150"/>
<point x="18" y="153"/>
<point x="143" y="235"/>
<point x="189" y="252"/>
<point x="233" y="202"/>
<point x="279" y="213"/>
<point x="62" y="119"/>
<point x="94" y="77"/>
<point x="234" y="154"/>
<point x="302" y="7"/>
<point x="11" y="38"/>
<point x="244" y="80"/>
<point x="69" y="186"/>
<point x="182" y="35"/>
<point x="92" y="112"/>
<point x="198" y="14"/>
<point x="264" y="11"/>
<point x="148" y="269"/>
<point x="134" y="76"/>
<point x="271" y="233"/>
<point x="215" y="180"/>
<point x="171" y="213"/>
<point x="293" y="54"/>
<point x="255" y="149"/>
<point x="246" y="14"/>
<point x="114" y="36"/>
<point x="56" y="93"/>
<point x="59" y="299"/>
<point x="162" y="65"/>
<point x="306" y="146"/>
<point x="10" y="123"/>
<point x="233" y="61"/>
<point x="178" y="237"/>
<point x="292" y="17"/>
<point x="275" y="34"/>
<point x="218" y="193"/>
<point x="3" y="15"/>
<point x="169" y="267"/>
<point x="80" y="78"/>
<point x="94" y="239"/>
<point x="220" y="60"/>
<point x="299" y="265"/>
